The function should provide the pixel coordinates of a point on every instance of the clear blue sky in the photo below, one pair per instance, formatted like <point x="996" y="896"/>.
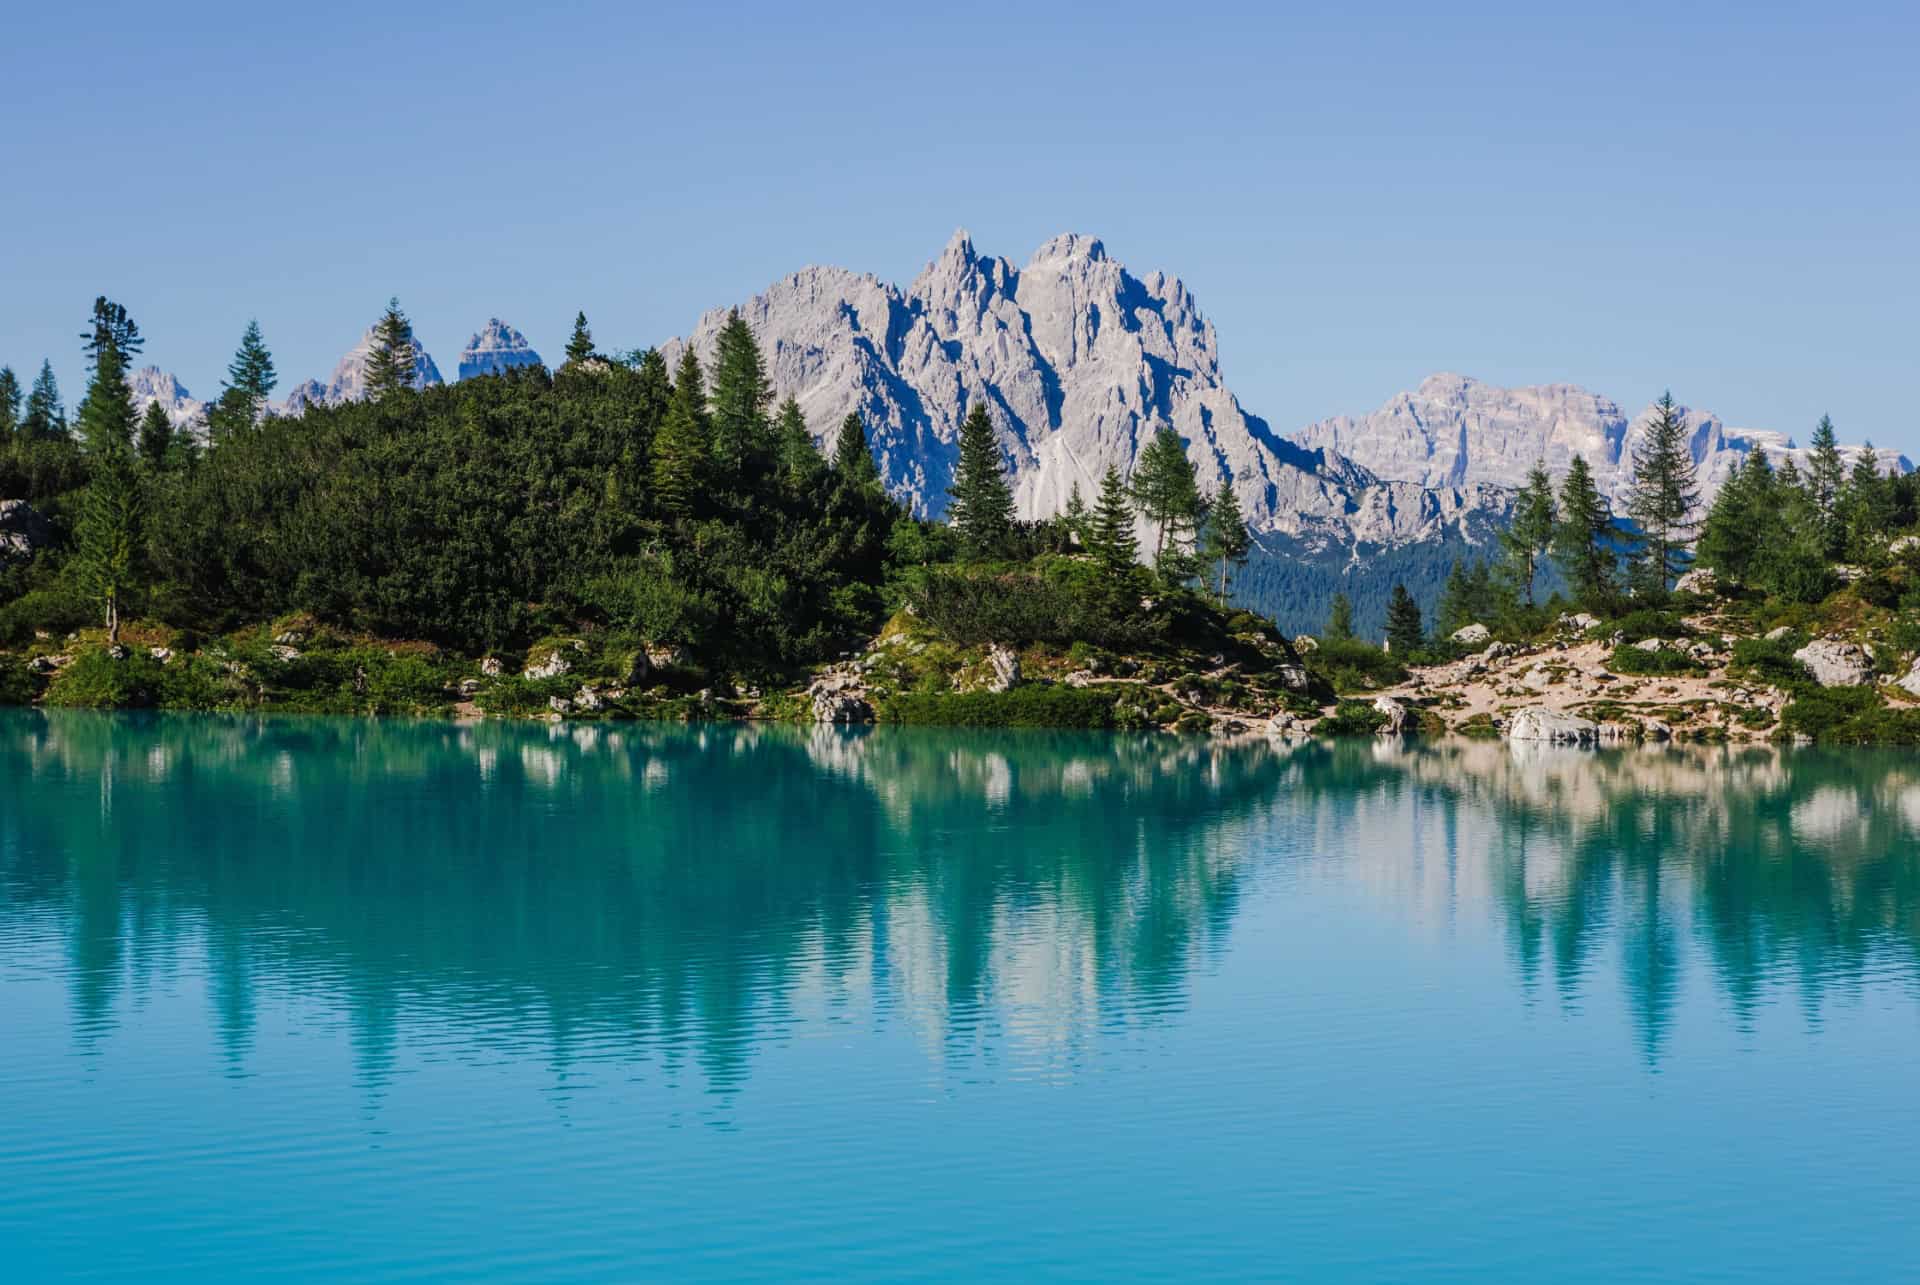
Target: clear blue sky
<point x="1720" y="198"/>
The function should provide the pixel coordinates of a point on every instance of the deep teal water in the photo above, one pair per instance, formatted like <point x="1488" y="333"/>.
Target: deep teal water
<point x="348" y="1000"/>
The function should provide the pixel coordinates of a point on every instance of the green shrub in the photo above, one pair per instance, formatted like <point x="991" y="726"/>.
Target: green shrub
<point x="1352" y="666"/>
<point x="55" y="610"/>
<point x="95" y="680"/>
<point x="1647" y="623"/>
<point x="1850" y="716"/>
<point x="1769" y="661"/>
<point x="1665" y="663"/>
<point x="18" y="684"/>
<point x="1057" y="600"/>
<point x="1352" y="718"/>
<point x="1028" y="706"/>
<point x="1480" y="727"/>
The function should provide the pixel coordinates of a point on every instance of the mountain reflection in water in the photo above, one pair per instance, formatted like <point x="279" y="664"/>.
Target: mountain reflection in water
<point x="677" y="898"/>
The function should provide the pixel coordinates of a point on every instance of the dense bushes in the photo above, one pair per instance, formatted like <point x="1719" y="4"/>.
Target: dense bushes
<point x="1351" y="665"/>
<point x="1027" y="706"/>
<point x="1665" y="663"/>
<point x="1850" y="716"/>
<point x="1055" y="600"/>
<point x="1352" y="718"/>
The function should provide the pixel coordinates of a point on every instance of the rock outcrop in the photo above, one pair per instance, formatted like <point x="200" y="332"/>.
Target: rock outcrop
<point x="1552" y="726"/>
<point x="1834" y="663"/>
<point x="23" y="531"/>
<point x="497" y="347"/>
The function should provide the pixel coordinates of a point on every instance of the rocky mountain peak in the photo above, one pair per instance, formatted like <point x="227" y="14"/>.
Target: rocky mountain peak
<point x="151" y="384"/>
<point x="349" y="382"/>
<point x="497" y="347"/>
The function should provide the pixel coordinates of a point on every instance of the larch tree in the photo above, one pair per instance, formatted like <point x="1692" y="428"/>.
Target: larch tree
<point x="1665" y="495"/>
<point x="982" y="511"/>
<point x="1228" y="543"/>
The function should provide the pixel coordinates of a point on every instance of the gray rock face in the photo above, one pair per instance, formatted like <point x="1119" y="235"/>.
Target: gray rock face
<point x="1454" y="431"/>
<point x="1834" y="663"/>
<point x="349" y="382"/>
<point x="1474" y="635"/>
<point x="1399" y="718"/>
<point x="1555" y="727"/>
<point x="151" y="384"/>
<point x="1911" y="683"/>
<point x="23" y="531"/>
<point x="552" y="665"/>
<point x="1701" y="581"/>
<point x="498" y="347"/>
<point x="1005" y="663"/>
<point x="1078" y="360"/>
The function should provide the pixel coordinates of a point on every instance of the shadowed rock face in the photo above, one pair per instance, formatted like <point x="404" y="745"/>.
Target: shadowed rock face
<point x="496" y="348"/>
<point x="1078" y="360"/>
<point x="1455" y="431"/>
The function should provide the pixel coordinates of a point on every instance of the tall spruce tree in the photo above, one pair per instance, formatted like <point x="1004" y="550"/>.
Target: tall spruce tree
<point x="1581" y="535"/>
<point x="1075" y="519"/>
<point x="1339" y="619"/>
<point x="1405" y="633"/>
<point x="852" y="456"/>
<point x="390" y="363"/>
<point x="682" y="449"/>
<point x="655" y="392"/>
<point x="1825" y="481"/>
<point x="45" y="417"/>
<point x="1529" y="536"/>
<point x="108" y="537"/>
<point x="1165" y="489"/>
<point x="740" y="397"/>
<point x="1228" y="542"/>
<point x="10" y="398"/>
<point x="1110" y="536"/>
<point x="982" y="511"/>
<point x="1867" y="507"/>
<point x="1665" y="494"/>
<point x="156" y="437"/>
<point x="1791" y="559"/>
<point x="251" y="379"/>
<point x="580" y="342"/>
<point x="800" y="463"/>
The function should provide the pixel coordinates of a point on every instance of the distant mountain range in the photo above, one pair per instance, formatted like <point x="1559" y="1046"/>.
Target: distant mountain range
<point x="1079" y="359"/>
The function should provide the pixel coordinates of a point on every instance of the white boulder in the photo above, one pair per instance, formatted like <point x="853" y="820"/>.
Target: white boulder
<point x="1474" y="635"/>
<point x="1553" y="726"/>
<point x="1834" y="663"/>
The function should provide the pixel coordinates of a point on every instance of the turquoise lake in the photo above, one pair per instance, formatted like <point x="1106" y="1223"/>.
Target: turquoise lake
<point x="353" y="1000"/>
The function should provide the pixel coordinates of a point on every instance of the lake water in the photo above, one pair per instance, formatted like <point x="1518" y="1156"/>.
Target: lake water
<point x="355" y="1000"/>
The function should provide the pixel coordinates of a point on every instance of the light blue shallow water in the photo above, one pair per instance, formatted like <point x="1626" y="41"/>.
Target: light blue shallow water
<point x="318" y="999"/>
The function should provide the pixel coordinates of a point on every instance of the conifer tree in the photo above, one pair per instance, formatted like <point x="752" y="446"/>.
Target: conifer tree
<point x="1405" y="634"/>
<point x="45" y="416"/>
<point x="982" y="512"/>
<point x="1165" y="489"/>
<point x="580" y="343"/>
<point x="1867" y="508"/>
<point x="1110" y="533"/>
<point x="1664" y="495"/>
<point x="156" y="437"/>
<point x="10" y="396"/>
<point x="1580" y="535"/>
<point x="655" y="389"/>
<point x="1459" y="604"/>
<point x="740" y="396"/>
<point x="108" y="534"/>
<point x="1741" y="521"/>
<point x="250" y="381"/>
<point x="1075" y="518"/>
<point x="852" y="456"/>
<point x="1228" y="542"/>
<point x="1825" y="480"/>
<point x="1791" y="559"/>
<point x="1530" y="535"/>
<point x="682" y="449"/>
<point x="1340" y="619"/>
<point x="390" y="363"/>
<point x="800" y="463"/>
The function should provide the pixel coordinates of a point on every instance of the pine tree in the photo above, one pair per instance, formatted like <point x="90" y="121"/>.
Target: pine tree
<point x="982" y="512"/>
<point x="45" y="416"/>
<point x="1340" y="619"/>
<point x="1530" y="535"/>
<point x="1580" y="536"/>
<point x="390" y="363"/>
<point x="250" y="380"/>
<point x="852" y="456"/>
<point x="682" y="449"/>
<point x="1110" y="531"/>
<point x="1405" y="635"/>
<point x="111" y="328"/>
<point x="1165" y="489"/>
<point x="740" y="396"/>
<point x="1454" y="611"/>
<point x="1664" y="495"/>
<point x="10" y="396"/>
<point x="1866" y="507"/>
<point x="1228" y="542"/>
<point x="800" y="463"/>
<point x="1741" y="520"/>
<point x="1791" y="560"/>
<point x="1075" y="518"/>
<point x="1826" y="478"/>
<point x="655" y="389"/>
<point x="156" y="437"/>
<point x="580" y="343"/>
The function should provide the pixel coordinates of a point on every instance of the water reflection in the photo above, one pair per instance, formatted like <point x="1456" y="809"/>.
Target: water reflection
<point x="681" y="897"/>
